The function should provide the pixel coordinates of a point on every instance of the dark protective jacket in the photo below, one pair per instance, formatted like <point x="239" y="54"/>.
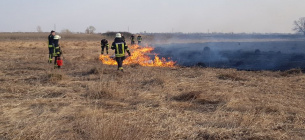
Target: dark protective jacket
<point x="139" y="38"/>
<point x="56" y="48"/>
<point x="120" y="47"/>
<point x="123" y="38"/>
<point x="51" y="40"/>
<point x="132" y="38"/>
<point x="104" y="42"/>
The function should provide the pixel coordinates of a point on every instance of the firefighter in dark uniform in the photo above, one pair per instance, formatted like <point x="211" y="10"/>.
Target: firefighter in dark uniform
<point x="104" y="44"/>
<point x="57" y="52"/>
<point x="120" y="47"/>
<point x="132" y="39"/>
<point x="139" y="39"/>
<point x="51" y="45"/>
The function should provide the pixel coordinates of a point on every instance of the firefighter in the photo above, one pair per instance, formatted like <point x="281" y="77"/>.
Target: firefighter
<point x="132" y="39"/>
<point x="51" y="45"/>
<point x="120" y="47"/>
<point x="57" y="52"/>
<point x="139" y="39"/>
<point x="104" y="44"/>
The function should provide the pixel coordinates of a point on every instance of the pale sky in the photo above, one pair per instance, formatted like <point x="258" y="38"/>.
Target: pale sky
<point x="261" y="16"/>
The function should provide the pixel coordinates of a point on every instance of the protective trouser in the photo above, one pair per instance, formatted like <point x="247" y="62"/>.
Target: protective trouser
<point x="139" y="42"/>
<point x="51" y="51"/>
<point x="56" y="54"/>
<point x="120" y="60"/>
<point x="132" y="42"/>
<point x="103" y="48"/>
<point x="55" y="62"/>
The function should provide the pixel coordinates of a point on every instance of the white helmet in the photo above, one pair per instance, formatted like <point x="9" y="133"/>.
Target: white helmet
<point x="57" y="37"/>
<point x="118" y="35"/>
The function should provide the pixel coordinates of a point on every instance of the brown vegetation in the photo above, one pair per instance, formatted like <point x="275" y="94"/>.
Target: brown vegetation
<point x="88" y="100"/>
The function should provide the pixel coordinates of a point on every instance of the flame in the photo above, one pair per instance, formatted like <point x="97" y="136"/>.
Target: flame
<point x="139" y="55"/>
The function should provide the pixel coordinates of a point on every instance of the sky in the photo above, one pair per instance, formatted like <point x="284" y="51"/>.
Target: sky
<point x="188" y="16"/>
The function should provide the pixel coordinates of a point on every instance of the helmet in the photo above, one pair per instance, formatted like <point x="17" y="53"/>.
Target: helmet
<point x="57" y="37"/>
<point x="118" y="35"/>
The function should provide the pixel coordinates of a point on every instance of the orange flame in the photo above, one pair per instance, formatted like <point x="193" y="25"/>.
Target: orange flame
<point x="139" y="55"/>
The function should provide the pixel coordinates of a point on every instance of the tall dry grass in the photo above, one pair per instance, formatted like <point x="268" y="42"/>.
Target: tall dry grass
<point x="88" y="100"/>
<point x="43" y="36"/>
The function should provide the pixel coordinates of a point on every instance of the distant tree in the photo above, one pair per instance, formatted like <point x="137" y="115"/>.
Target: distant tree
<point x="299" y="25"/>
<point x="66" y="31"/>
<point x="38" y="28"/>
<point x="90" y="30"/>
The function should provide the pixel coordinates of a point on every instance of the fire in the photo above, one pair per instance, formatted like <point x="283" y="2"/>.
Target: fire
<point x="139" y="55"/>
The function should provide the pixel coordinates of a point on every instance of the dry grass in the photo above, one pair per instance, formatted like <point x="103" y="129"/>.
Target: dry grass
<point x="88" y="100"/>
<point x="43" y="36"/>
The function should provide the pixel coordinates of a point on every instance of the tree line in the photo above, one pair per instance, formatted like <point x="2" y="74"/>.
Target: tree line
<point x="298" y="27"/>
<point x="89" y="30"/>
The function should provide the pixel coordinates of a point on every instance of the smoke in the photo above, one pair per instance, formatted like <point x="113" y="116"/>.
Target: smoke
<point x="250" y="55"/>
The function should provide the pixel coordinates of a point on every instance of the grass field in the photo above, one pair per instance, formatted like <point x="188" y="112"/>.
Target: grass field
<point x="88" y="100"/>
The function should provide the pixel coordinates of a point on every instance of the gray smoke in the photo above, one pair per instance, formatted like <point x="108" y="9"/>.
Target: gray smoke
<point x="250" y="55"/>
